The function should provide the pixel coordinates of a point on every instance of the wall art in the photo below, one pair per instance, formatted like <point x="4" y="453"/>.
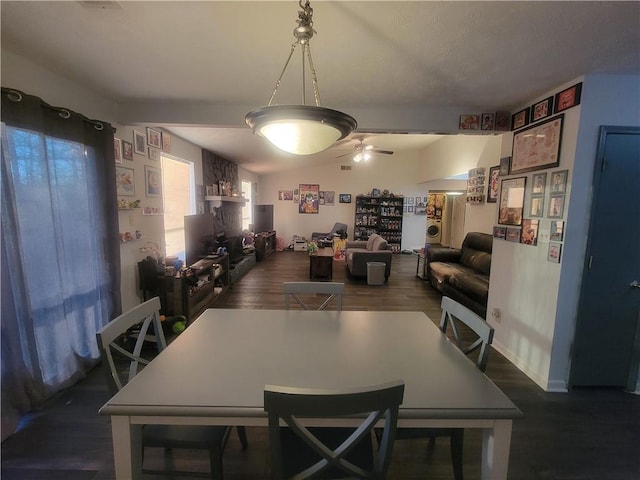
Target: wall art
<point x="556" y="206"/>
<point x="285" y="195"/>
<point x="520" y="119"/>
<point x="502" y="121"/>
<point x="487" y="121"/>
<point x="493" y="184"/>
<point x="345" y="198"/>
<point x="127" y="150"/>
<point x="117" y="150"/>
<point x="166" y="142"/>
<point x="542" y="109"/>
<point x="537" y="206"/>
<point x="153" y="181"/>
<point x="505" y="163"/>
<point x="559" y="181"/>
<point x="139" y="143"/>
<point x="557" y="231"/>
<point x="511" y="201"/>
<point x="537" y="147"/>
<point x="309" y="198"/>
<point x="125" y="181"/>
<point x="539" y="183"/>
<point x="568" y="98"/>
<point x="555" y="250"/>
<point x="469" y="122"/>
<point x="513" y="235"/>
<point x="529" y="235"/>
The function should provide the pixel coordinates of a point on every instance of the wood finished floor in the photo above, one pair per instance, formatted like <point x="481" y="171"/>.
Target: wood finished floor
<point x="589" y="434"/>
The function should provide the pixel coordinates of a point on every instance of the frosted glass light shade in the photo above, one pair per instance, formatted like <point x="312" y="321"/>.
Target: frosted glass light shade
<point x="300" y="129"/>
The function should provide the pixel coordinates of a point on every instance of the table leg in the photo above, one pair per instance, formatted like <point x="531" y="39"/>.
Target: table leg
<point x="127" y="448"/>
<point x="496" y="443"/>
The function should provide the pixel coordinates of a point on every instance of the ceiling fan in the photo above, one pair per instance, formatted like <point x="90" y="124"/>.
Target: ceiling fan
<point x="363" y="151"/>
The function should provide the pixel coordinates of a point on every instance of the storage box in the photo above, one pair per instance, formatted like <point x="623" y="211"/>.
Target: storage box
<point x="375" y="273"/>
<point x="299" y="246"/>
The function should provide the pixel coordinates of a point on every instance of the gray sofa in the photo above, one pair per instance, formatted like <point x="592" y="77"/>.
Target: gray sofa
<point x="463" y="274"/>
<point x="359" y="252"/>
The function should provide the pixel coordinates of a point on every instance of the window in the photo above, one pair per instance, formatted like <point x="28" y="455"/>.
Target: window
<point x="247" y="209"/>
<point x="179" y="200"/>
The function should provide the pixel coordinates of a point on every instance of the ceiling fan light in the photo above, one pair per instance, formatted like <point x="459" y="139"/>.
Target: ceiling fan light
<point x="300" y="129"/>
<point x="358" y="157"/>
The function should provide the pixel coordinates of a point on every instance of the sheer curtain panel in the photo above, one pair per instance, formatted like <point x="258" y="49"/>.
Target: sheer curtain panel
<point x="60" y="248"/>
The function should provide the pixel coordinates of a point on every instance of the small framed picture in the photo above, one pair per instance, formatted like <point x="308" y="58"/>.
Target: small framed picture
<point x="487" y="121"/>
<point x="469" y="122"/>
<point x="127" y="150"/>
<point x="520" y="119"/>
<point x="539" y="183"/>
<point x="153" y="181"/>
<point x="504" y="166"/>
<point x="418" y="200"/>
<point x="513" y="234"/>
<point x="154" y="154"/>
<point x="557" y="231"/>
<point x="541" y="109"/>
<point x="559" y="181"/>
<point x="568" y="98"/>
<point x="410" y="200"/>
<point x="556" y="206"/>
<point x="499" y="232"/>
<point x="529" y="235"/>
<point x="154" y="138"/>
<point x="410" y="209"/>
<point x="166" y="142"/>
<point x="555" y="250"/>
<point x="344" y="198"/>
<point x="139" y="143"/>
<point x="502" y="122"/>
<point x="493" y="184"/>
<point x="125" y="182"/>
<point x="537" y="206"/>
<point x="511" y="201"/>
<point x="212" y="190"/>
<point x="117" y="150"/>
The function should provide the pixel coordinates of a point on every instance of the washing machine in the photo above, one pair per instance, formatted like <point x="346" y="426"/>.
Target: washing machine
<point x="434" y="230"/>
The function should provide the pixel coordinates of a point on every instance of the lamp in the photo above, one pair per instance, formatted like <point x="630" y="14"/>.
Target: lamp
<point x="301" y="129"/>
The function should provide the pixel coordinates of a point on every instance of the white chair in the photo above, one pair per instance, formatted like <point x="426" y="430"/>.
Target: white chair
<point x="301" y="291"/>
<point x="121" y="342"/>
<point x="477" y="337"/>
<point x="327" y="452"/>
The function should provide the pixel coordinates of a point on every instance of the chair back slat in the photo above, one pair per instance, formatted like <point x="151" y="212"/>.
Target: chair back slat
<point x="120" y="332"/>
<point x="454" y="312"/>
<point x="291" y="405"/>
<point x="301" y="291"/>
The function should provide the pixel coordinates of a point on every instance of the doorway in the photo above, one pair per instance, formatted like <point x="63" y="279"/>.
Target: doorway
<point x="605" y="350"/>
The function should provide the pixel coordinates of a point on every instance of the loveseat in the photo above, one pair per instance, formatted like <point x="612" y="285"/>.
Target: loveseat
<point x="359" y="252"/>
<point x="463" y="274"/>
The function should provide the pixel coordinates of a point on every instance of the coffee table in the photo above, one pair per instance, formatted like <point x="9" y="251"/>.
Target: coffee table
<point x="321" y="263"/>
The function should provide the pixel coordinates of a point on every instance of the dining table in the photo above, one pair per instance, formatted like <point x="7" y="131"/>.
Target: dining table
<point x="214" y="373"/>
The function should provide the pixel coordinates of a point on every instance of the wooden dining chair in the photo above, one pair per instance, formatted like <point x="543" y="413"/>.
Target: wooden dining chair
<point x="301" y="291"/>
<point x="121" y="344"/>
<point x="473" y="339"/>
<point x="328" y="452"/>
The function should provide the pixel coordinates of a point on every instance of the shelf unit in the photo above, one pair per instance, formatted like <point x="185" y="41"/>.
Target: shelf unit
<point x="381" y="215"/>
<point x="265" y="244"/>
<point x="190" y="295"/>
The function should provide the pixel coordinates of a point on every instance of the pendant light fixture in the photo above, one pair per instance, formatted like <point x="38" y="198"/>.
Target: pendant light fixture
<point x="301" y="129"/>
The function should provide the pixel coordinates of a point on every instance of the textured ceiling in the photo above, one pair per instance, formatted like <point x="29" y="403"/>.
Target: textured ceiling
<point x="372" y="58"/>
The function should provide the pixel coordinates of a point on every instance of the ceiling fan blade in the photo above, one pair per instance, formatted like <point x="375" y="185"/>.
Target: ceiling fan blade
<point x="344" y="154"/>
<point x="386" y="152"/>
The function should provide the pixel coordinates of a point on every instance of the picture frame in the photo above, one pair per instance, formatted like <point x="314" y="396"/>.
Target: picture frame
<point x="493" y="184"/>
<point x="511" y="201"/>
<point x="555" y="252"/>
<point x="536" y="208"/>
<point x="520" y="119"/>
<point x="154" y="138"/>
<point x="154" y="154"/>
<point x="502" y="122"/>
<point x="513" y="234"/>
<point x="559" y="181"/>
<point x="529" y="234"/>
<point x="556" y="233"/>
<point x="499" y="232"/>
<point x="418" y="200"/>
<point x="153" y="181"/>
<point x="309" y="198"/>
<point x="505" y="163"/>
<point x="410" y="209"/>
<point x="538" y="183"/>
<point x="139" y="143"/>
<point x="410" y="201"/>
<point x="166" y="142"/>
<point x="556" y="206"/>
<point x="537" y="147"/>
<point x="469" y="122"/>
<point x="285" y="195"/>
<point x="487" y="121"/>
<point x="542" y="109"/>
<point x="117" y="150"/>
<point x="330" y="198"/>
<point x="212" y="190"/>
<point x="127" y="150"/>
<point x="567" y="98"/>
<point x="344" y="198"/>
<point x="125" y="181"/>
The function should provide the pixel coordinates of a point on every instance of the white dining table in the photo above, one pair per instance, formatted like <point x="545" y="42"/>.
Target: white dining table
<point x="214" y="373"/>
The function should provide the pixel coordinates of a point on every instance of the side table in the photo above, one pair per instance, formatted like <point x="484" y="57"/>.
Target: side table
<point x="321" y="264"/>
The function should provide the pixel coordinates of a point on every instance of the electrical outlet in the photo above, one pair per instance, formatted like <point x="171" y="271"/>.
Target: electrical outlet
<point x="543" y="237"/>
<point x="131" y="221"/>
<point x="495" y="313"/>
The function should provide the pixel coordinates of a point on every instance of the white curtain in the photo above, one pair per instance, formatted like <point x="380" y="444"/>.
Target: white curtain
<point x="58" y="262"/>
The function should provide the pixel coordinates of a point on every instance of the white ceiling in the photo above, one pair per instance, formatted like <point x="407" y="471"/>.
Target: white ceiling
<point x="196" y="68"/>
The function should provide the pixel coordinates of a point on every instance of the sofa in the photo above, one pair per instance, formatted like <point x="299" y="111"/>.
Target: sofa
<point x="463" y="274"/>
<point x="360" y="252"/>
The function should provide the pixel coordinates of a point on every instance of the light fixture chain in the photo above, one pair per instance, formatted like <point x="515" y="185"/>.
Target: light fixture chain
<point x="286" y="64"/>
<point x="314" y="77"/>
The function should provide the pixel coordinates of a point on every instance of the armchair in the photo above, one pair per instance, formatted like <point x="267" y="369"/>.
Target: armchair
<point x="316" y="236"/>
<point x="360" y="252"/>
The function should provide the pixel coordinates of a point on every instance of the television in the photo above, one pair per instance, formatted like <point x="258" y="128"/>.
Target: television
<point x="262" y="218"/>
<point x="199" y="238"/>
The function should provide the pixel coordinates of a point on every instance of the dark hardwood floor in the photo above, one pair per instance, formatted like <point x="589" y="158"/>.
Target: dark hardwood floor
<point x="582" y="435"/>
